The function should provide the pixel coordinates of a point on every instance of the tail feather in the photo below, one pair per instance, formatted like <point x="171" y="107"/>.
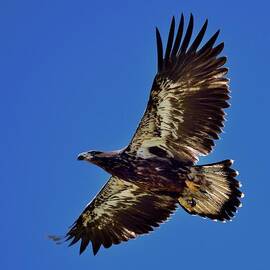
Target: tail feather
<point x="212" y="191"/>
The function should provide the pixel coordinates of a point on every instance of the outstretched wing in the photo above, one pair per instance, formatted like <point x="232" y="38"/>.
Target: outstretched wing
<point x="119" y="212"/>
<point x="185" y="109"/>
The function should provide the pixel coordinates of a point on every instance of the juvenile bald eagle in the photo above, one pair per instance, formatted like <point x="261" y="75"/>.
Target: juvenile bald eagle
<point x="156" y="172"/>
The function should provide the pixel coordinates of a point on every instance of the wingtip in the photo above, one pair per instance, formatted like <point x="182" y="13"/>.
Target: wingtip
<point x="191" y="17"/>
<point x="95" y="251"/>
<point x="205" y="23"/>
<point x="159" y="50"/>
<point x="95" y="247"/>
<point x="173" y="22"/>
<point x="221" y="45"/>
<point x="158" y="36"/>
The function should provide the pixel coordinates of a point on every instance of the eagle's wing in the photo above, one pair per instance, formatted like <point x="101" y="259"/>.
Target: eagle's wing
<point x="119" y="212"/>
<point x="185" y="109"/>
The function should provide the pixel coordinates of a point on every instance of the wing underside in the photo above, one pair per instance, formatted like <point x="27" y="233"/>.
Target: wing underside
<point x="121" y="211"/>
<point x="185" y="113"/>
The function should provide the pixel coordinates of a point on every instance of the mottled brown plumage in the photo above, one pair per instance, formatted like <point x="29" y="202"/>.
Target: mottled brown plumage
<point x="156" y="172"/>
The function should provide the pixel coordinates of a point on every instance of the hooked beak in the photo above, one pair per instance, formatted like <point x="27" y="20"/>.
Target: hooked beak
<point x="83" y="156"/>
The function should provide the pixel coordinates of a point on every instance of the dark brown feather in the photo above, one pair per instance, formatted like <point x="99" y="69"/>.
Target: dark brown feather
<point x="170" y="40"/>
<point x="196" y="43"/>
<point x="178" y="37"/>
<point x="105" y="222"/>
<point x="159" y="50"/>
<point x="187" y="36"/>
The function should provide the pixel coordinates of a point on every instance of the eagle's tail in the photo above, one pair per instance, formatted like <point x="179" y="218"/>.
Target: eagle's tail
<point x="212" y="191"/>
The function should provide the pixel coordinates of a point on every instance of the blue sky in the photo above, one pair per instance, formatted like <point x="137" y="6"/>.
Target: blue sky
<point x="76" y="76"/>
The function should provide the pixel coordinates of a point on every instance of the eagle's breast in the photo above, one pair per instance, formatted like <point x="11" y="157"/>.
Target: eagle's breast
<point x="155" y="171"/>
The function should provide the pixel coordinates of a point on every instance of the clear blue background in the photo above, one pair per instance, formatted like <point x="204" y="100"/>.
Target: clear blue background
<point x="75" y="75"/>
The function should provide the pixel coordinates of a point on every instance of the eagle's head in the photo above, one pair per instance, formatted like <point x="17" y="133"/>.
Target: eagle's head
<point x="90" y="156"/>
<point x="101" y="159"/>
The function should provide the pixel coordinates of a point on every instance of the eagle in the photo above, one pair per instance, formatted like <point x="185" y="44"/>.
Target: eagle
<point x="157" y="172"/>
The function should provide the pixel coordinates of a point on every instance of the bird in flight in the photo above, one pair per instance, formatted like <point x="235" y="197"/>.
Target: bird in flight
<point x="157" y="171"/>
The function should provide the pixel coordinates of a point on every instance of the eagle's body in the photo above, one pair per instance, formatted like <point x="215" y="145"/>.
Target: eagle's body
<point x="157" y="171"/>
